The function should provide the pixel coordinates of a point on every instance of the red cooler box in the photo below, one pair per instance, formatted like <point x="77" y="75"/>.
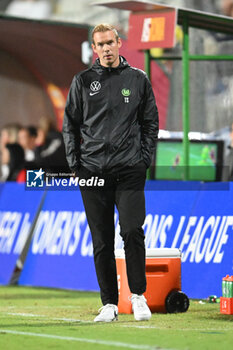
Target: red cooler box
<point x="226" y="306"/>
<point x="163" y="273"/>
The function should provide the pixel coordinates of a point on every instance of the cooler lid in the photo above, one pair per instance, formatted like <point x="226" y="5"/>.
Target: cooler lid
<point x="154" y="253"/>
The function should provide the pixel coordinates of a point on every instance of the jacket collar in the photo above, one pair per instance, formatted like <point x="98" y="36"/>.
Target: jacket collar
<point x="99" y="69"/>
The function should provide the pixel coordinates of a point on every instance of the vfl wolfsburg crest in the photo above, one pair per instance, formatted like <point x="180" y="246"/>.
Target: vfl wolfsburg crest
<point x="126" y="92"/>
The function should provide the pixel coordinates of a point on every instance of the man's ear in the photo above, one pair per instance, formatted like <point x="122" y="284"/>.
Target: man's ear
<point x="93" y="48"/>
<point x="119" y="42"/>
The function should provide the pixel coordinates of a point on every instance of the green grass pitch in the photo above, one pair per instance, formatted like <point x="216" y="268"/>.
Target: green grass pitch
<point x="39" y="318"/>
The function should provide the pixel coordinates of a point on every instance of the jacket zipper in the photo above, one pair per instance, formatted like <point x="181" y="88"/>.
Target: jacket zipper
<point x="107" y="139"/>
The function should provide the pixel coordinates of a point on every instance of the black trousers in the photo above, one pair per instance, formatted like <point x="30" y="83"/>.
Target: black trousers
<point x="125" y="189"/>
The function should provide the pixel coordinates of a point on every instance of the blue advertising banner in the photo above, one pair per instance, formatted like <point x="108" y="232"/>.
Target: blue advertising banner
<point x="195" y="217"/>
<point x="207" y="243"/>
<point x="1" y="187"/>
<point x="200" y="223"/>
<point x="17" y="212"/>
<point x="61" y="252"/>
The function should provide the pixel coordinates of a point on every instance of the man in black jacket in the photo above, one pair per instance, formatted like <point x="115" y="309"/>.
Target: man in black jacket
<point x="110" y="129"/>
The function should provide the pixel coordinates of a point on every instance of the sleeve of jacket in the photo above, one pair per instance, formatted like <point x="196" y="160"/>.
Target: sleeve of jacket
<point x="71" y="125"/>
<point x="149" y="121"/>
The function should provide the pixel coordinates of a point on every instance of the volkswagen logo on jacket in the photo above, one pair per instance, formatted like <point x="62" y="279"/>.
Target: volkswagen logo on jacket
<point x="95" y="86"/>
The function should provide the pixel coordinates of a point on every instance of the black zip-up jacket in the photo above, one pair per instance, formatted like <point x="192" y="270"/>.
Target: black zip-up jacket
<point x="111" y="118"/>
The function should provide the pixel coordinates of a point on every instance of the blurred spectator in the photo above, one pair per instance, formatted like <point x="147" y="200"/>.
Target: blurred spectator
<point x="27" y="139"/>
<point x="50" y="150"/>
<point x="12" y="161"/>
<point x="30" y="148"/>
<point x="228" y="163"/>
<point x="9" y="134"/>
<point x="12" y="154"/>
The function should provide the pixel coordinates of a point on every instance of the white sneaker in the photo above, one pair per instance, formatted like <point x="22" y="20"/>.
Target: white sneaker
<point x="140" y="308"/>
<point x="107" y="313"/>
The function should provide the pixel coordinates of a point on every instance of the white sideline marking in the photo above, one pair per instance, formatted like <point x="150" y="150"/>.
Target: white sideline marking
<point x="45" y="307"/>
<point x="144" y="327"/>
<point x="23" y="314"/>
<point x="46" y="317"/>
<point x="181" y="329"/>
<point x="85" y="340"/>
<point x="118" y="324"/>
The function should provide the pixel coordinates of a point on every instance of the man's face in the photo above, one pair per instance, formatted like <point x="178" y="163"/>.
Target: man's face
<point x="107" y="48"/>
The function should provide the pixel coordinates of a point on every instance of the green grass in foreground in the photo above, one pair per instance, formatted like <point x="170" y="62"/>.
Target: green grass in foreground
<point x="59" y="319"/>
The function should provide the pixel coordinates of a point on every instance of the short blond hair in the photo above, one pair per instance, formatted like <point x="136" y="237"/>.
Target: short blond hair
<point x="104" y="27"/>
